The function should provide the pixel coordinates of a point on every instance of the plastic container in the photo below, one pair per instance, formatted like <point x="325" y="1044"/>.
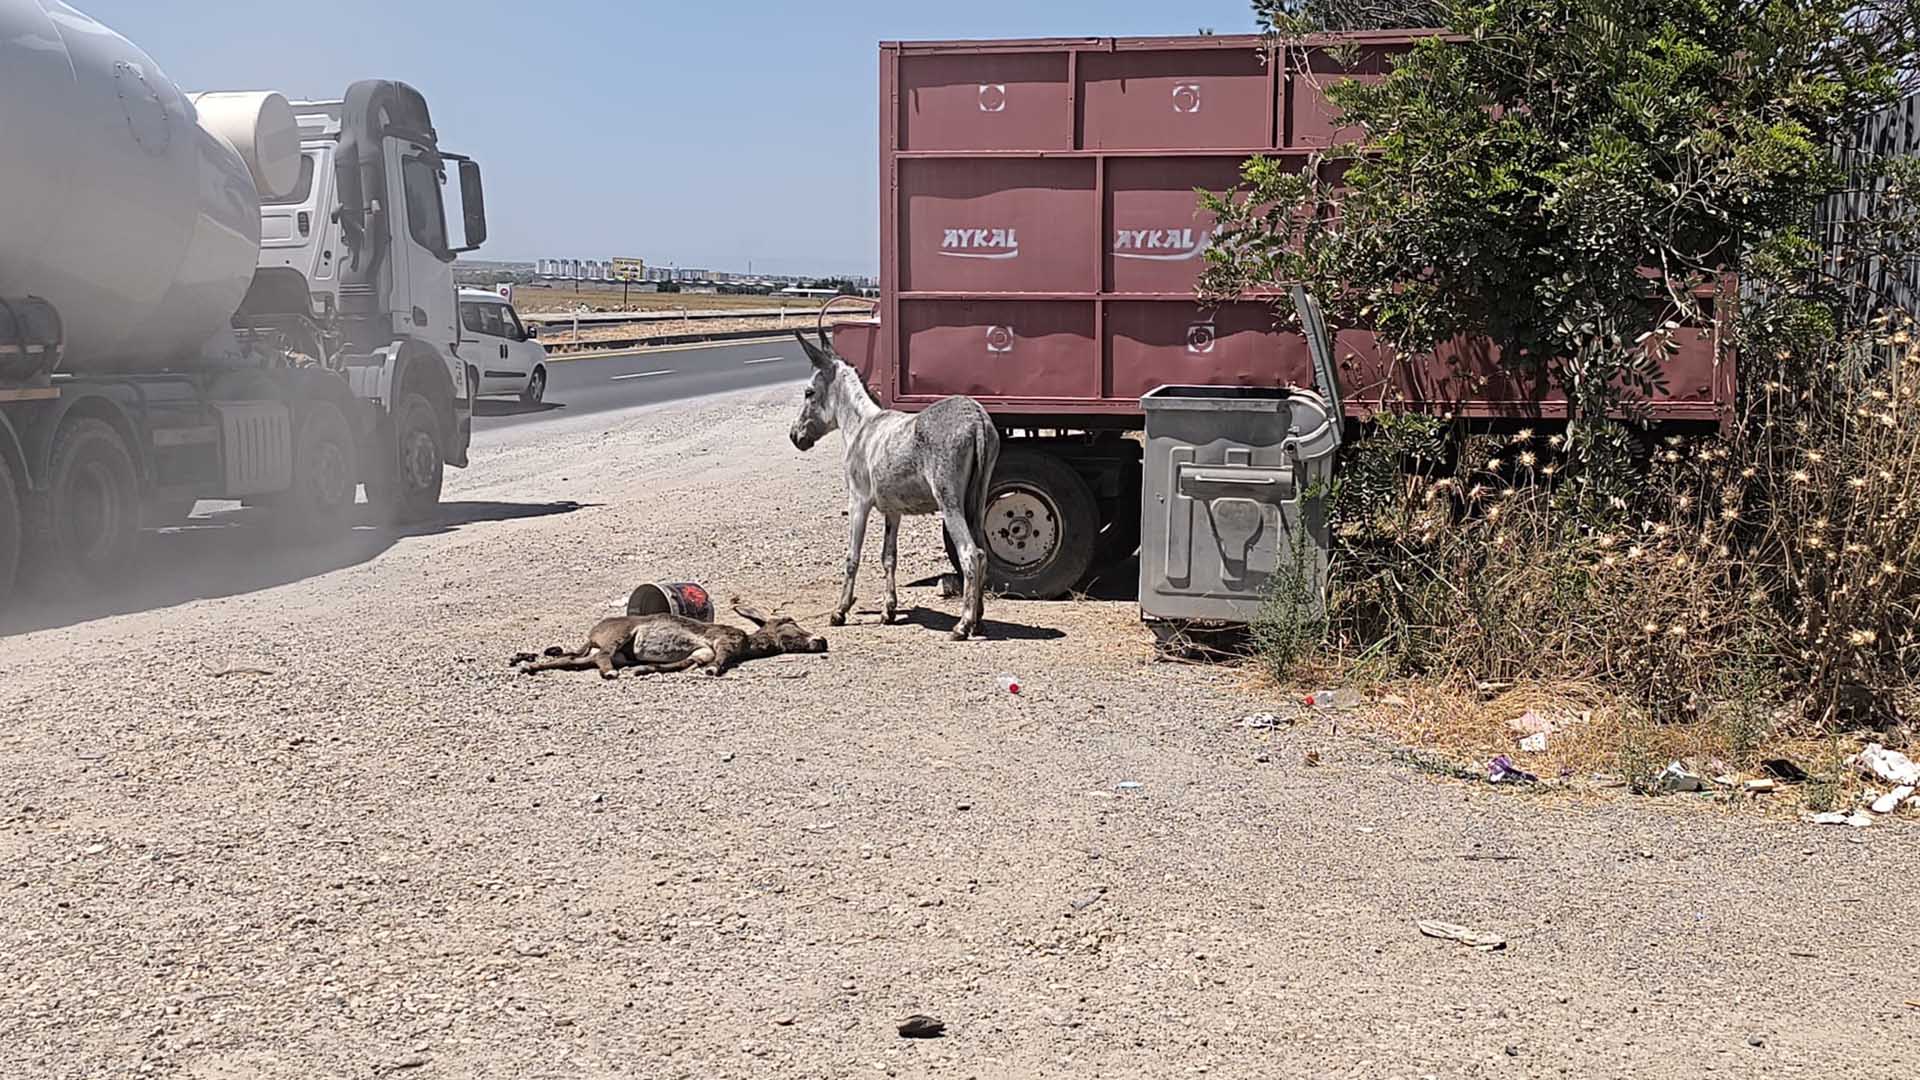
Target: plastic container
<point x="1332" y="699"/>
<point x="683" y="598"/>
<point x="1232" y="499"/>
<point x="1007" y="683"/>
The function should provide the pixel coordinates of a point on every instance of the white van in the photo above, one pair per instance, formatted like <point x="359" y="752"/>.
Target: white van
<point x="502" y="357"/>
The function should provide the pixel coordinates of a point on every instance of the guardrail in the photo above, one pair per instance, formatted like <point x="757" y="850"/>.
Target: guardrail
<point x="566" y="350"/>
<point x="546" y="318"/>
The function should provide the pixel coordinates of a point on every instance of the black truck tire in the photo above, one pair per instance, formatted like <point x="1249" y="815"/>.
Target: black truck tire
<point x="1042" y="526"/>
<point x="9" y="532"/>
<point x="404" y="486"/>
<point x="82" y="531"/>
<point x="325" y="475"/>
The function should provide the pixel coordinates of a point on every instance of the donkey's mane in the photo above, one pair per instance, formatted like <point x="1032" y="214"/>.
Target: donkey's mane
<point x="844" y="370"/>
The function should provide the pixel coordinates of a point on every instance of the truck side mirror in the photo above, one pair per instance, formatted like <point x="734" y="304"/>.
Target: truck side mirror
<point x="532" y="331"/>
<point x="473" y="204"/>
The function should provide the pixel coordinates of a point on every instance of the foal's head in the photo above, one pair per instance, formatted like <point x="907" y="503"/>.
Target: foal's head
<point x="779" y="634"/>
<point x="817" y="415"/>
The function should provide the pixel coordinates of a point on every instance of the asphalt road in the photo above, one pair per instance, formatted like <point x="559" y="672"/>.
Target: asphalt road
<point x="606" y="383"/>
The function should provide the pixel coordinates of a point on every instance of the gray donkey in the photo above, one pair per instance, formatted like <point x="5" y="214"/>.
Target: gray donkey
<point x="938" y="461"/>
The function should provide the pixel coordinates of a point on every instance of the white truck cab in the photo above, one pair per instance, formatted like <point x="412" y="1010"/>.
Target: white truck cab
<point x="501" y="355"/>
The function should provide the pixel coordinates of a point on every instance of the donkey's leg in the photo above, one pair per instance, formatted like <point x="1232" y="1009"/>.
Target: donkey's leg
<point x="857" y="511"/>
<point x="604" y="661"/>
<point x="889" y="558"/>
<point x="973" y="569"/>
<point x="565" y="661"/>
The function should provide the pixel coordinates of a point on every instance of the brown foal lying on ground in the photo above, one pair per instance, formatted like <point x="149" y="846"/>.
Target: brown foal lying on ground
<point x="649" y="644"/>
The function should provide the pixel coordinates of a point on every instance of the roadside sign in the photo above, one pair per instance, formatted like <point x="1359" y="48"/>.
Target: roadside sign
<point x="629" y="270"/>
<point x="506" y="292"/>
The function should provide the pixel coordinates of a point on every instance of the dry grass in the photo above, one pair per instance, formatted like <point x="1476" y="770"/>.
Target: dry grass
<point x="1598" y="745"/>
<point x="1721" y="604"/>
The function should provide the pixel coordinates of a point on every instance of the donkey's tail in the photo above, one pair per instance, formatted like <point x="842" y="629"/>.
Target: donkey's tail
<point x="986" y="455"/>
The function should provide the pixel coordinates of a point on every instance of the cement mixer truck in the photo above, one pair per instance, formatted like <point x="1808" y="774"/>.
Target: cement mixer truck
<point x="214" y="296"/>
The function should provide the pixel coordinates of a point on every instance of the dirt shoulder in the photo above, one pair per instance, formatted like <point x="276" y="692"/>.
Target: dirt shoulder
<point x="394" y="853"/>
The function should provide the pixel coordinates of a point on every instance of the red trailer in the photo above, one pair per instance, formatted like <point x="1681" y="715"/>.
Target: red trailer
<point x="1040" y="240"/>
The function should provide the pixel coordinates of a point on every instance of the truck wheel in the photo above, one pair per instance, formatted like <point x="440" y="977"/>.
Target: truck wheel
<point x="406" y="487"/>
<point x="325" y="474"/>
<point x="1042" y="523"/>
<point x="536" y="389"/>
<point x="82" y="530"/>
<point x="9" y="533"/>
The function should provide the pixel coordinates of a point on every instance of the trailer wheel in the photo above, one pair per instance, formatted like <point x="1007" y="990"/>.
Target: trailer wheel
<point x="406" y="486"/>
<point x="1042" y="524"/>
<point x="9" y="533"/>
<point x="82" y="530"/>
<point x="325" y="474"/>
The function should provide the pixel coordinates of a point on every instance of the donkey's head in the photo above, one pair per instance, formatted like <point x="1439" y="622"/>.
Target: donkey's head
<point x="818" y="412"/>
<point x="779" y="634"/>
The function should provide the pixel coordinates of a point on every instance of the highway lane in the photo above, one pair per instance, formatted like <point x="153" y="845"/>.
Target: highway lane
<point x="630" y="380"/>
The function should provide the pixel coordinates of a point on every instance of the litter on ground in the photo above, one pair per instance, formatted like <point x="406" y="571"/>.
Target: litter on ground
<point x="1482" y="940"/>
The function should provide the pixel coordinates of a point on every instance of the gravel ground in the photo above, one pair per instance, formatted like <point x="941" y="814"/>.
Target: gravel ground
<point x="391" y="855"/>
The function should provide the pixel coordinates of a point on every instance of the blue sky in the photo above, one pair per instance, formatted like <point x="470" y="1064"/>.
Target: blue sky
<point x="702" y="134"/>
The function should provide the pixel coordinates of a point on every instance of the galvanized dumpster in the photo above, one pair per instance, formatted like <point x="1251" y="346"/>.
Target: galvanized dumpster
<point x="1233" y="499"/>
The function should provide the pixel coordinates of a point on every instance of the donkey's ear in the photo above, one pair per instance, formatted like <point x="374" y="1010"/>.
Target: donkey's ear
<point x="819" y="356"/>
<point x="750" y="614"/>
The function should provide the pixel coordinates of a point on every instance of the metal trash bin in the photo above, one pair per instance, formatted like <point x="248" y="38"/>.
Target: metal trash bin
<point x="1232" y="497"/>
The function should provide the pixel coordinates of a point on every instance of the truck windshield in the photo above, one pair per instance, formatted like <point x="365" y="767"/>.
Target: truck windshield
<point x="426" y="213"/>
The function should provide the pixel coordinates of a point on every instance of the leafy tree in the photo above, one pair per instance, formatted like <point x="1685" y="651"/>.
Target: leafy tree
<point x="1562" y="175"/>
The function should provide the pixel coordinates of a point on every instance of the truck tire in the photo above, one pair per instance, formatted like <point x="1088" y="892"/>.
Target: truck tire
<point x="405" y="487"/>
<point x="9" y="533"/>
<point x="83" y="529"/>
<point x="325" y="474"/>
<point x="1042" y="526"/>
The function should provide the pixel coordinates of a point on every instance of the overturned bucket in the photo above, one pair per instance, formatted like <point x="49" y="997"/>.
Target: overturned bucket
<point x="682" y="598"/>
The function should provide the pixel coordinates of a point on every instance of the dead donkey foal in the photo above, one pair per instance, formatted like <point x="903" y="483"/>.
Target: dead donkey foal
<point x="650" y="644"/>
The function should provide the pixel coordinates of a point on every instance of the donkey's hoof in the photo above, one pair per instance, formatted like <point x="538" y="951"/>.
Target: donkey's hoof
<point x="888" y="616"/>
<point x="710" y="672"/>
<point x="609" y="674"/>
<point x="555" y="650"/>
<point x="837" y="619"/>
<point x="961" y="632"/>
<point x="521" y="658"/>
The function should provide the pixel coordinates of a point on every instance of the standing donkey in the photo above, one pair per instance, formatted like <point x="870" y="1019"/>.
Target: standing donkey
<point x="938" y="461"/>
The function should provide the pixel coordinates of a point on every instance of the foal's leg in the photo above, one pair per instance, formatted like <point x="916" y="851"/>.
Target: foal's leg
<point x="563" y="661"/>
<point x="889" y="557"/>
<point x="973" y="569"/>
<point x="857" y="511"/>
